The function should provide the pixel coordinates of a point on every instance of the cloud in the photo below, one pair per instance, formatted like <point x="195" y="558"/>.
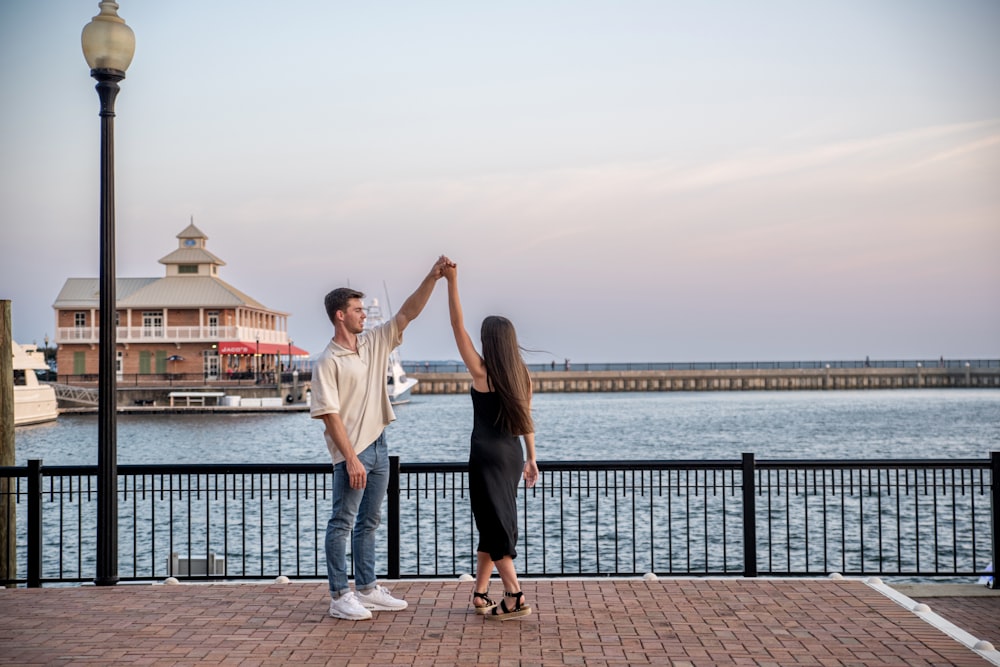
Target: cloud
<point x="958" y="152"/>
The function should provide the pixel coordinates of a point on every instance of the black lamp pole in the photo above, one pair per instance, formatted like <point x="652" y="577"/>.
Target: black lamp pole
<point x="107" y="390"/>
<point x="108" y="45"/>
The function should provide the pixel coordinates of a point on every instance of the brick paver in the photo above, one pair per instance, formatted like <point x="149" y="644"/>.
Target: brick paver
<point x="679" y="622"/>
<point x="979" y="617"/>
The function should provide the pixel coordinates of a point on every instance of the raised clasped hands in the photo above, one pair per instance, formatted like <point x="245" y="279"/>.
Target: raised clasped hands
<point x="441" y="267"/>
<point x="449" y="270"/>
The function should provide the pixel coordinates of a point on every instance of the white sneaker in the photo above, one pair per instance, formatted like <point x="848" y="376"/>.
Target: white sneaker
<point x="348" y="607"/>
<point x="379" y="599"/>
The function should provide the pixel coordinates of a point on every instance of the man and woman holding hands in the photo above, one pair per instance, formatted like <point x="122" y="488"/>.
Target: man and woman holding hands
<point x="349" y="395"/>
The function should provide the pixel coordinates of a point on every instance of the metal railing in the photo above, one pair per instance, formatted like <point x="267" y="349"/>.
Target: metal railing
<point x="458" y="367"/>
<point x="908" y="518"/>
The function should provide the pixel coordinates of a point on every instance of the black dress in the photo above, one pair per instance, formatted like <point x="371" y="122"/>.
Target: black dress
<point x="496" y="462"/>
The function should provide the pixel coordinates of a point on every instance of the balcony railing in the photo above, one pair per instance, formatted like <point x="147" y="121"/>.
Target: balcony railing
<point x="904" y="518"/>
<point x="221" y="378"/>
<point x="140" y="334"/>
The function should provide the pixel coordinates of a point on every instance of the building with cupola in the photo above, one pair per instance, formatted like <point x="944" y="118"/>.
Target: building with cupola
<point x="188" y="322"/>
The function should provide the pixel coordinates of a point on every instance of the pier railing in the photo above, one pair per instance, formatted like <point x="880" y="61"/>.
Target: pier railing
<point x="952" y="364"/>
<point x="903" y="518"/>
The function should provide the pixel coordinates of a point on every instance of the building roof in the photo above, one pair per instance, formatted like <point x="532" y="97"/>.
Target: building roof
<point x="191" y="256"/>
<point x="191" y="249"/>
<point x="192" y="232"/>
<point x="169" y="292"/>
<point x="86" y="292"/>
<point x="172" y="291"/>
<point x="189" y="292"/>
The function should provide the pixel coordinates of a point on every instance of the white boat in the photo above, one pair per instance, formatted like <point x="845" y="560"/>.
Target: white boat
<point x="34" y="402"/>
<point x="398" y="382"/>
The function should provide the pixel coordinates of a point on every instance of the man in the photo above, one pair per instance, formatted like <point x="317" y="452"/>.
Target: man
<point x="349" y="394"/>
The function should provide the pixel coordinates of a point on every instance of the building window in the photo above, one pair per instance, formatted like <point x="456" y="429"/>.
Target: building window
<point x="152" y="324"/>
<point x="187" y="268"/>
<point x="80" y="325"/>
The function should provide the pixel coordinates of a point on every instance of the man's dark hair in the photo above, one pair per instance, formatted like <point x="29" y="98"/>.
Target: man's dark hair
<point x="337" y="300"/>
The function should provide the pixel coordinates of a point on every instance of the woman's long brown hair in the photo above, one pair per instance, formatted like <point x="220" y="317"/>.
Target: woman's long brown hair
<point x="507" y="375"/>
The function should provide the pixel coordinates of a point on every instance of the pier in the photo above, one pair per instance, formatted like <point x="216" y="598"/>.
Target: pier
<point x="730" y="379"/>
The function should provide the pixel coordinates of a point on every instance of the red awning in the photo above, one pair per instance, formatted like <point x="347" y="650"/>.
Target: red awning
<point x="253" y="347"/>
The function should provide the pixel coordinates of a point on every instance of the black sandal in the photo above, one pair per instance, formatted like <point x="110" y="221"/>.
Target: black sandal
<point x="502" y="613"/>
<point x="484" y="609"/>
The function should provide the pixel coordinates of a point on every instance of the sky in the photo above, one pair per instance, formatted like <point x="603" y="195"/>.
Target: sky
<point x="634" y="180"/>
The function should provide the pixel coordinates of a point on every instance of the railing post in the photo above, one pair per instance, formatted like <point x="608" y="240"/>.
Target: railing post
<point x="995" y="510"/>
<point x="749" y="517"/>
<point x="393" y="493"/>
<point x="35" y="523"/>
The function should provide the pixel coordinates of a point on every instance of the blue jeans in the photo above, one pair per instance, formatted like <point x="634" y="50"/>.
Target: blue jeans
<point x="357" y="511"/>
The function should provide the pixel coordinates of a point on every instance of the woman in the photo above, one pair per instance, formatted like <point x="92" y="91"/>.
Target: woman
<point x="501" y="405"/>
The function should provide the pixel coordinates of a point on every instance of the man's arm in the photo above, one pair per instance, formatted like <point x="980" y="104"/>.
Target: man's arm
<point x="415" y="303"/>
<point x="338" y="433"/>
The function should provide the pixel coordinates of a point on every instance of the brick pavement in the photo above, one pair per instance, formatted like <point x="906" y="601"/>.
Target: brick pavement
<point x="979" y="617"/>
<point x="677" y="622"/>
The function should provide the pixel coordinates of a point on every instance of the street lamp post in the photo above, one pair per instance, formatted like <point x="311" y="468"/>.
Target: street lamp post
<point x="108" y="46"/>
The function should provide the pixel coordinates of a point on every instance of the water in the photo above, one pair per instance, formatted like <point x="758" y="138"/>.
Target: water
<point x="888" y="424"/>
<point x="925" y="423"/>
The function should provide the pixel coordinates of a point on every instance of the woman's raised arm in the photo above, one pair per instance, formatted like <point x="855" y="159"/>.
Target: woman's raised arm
<point x="466" y="349"/>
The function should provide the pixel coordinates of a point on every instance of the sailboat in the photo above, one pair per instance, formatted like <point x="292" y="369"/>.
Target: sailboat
<point x="398" y="383"/>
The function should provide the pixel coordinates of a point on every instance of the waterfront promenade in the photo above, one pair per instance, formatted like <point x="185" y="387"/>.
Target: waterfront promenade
<point x="677" y="622"/>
